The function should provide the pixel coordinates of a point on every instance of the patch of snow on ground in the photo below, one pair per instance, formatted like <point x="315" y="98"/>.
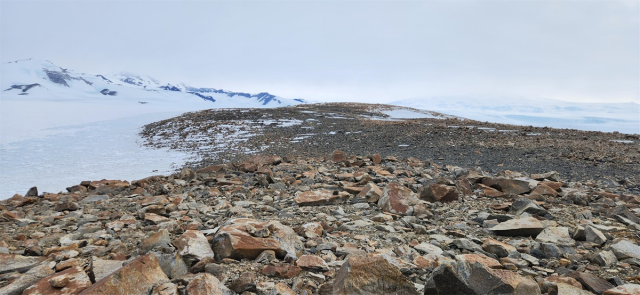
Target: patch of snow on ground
<point x="99" y="150"/>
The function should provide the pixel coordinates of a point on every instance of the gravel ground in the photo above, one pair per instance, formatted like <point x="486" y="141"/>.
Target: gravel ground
<point x="365" y="129"/>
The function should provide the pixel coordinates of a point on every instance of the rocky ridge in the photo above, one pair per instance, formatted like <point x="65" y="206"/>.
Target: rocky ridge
<point x="338" y="224"/>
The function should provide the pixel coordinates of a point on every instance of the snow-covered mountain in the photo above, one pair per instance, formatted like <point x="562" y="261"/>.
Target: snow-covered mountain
<point x="540" y="112"/>
<point x="43" y="79"/>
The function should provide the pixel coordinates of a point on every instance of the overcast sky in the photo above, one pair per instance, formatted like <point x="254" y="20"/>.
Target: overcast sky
<point x="374" y="51"/>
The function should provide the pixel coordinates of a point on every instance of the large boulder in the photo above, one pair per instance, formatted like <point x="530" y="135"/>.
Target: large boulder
<point x="363" y="274"/>
<point x="139" y="276"/>
<point x="247" y="238"/>
<point x="507" y="185"/>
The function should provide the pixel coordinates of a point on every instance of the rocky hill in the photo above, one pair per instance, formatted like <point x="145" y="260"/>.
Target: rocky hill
<point x="398" y="220"/>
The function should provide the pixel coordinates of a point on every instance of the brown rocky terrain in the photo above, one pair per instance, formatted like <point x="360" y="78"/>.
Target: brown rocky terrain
<point x="317" y="222"/>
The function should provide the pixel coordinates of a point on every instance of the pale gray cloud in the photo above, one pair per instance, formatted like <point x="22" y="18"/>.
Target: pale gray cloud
<point x="348" y="51"/>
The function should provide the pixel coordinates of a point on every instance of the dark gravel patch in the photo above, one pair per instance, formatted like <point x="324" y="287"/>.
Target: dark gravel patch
<point x="576" y="155"/>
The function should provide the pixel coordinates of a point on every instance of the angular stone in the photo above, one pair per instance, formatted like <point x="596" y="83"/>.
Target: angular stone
<point x="281" y="270"/>
<point x="239" y="240"/>
<point x="320" y="198"/>
<point x="484" y="260"/>
<point x="70" y="281"/>
<point x="165" y="289"/>
<point x="397" y="199"/>
<point x="173" y="265"/>
<point x="556" y="235"/>
<point x="245" y="282"/>
<point x="160" y="239"/>
<point x="524" y="205"/>
<point x="19" y="263"/>
<point x="594" y="235"/>
<point x="519" y="227"/>
<point x="508" y="186"/>
<point x="193" y="246"/>
<point x="550" y="283"/>
<point x="312" y="263"/>
<point x="206" y="284"/>
<point x="101" y="268"/>
<point x="605" y="258"/>
<point x="544" y="190"/>
<point x="428" y="248"/>
<point x="187" y="174"/>
<point x="339" y="156"/>
<point x="29" y="278"/>
<point x="137" y="277"/>
<point x="591" y="282"/>
<point x="371" y="192"/>
<point x="66" y="206"/>
<point x="626" y="249"/>
<point x="498" y="248"/>
<point x="565" y="289"/>
<point x="155" y="218"/>
<point x="311" y="230"/>
<point x="628" y="289"/>
<point x="361" y="274"/>
<point x="440" y="193"/>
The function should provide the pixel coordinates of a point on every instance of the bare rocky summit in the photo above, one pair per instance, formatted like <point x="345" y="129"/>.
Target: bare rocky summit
<point x="336" y="222"/>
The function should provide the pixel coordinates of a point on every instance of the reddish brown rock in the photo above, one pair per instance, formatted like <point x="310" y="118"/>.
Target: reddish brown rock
<point x="339" y="156"/>
<point x="312" y="263"/>
<point x="371" y="192"/>
<point x="440" y="193"/>
<point x="165" y="289"/>
<point x="508" y="186"/>
<point x="311" y="230"/>
<point x="498" y="248"/>
<point x="544" y="190"/>
<point x="140" y="276"/>
<point x="628" y="289"/>
<point x="376" y="159"/>
<point x="281" y="270"/>
<point x="484" y="260"/>
<point x="206" y="284"/>
<point x="211" y="169"/>
<point x="71" y="281"/>
<point x="320" y="198"/>
<point x="247" y="238"/>
<point x="362" y="274"/>
<point x="245" y="282"/>
<point x="397" y="199"/>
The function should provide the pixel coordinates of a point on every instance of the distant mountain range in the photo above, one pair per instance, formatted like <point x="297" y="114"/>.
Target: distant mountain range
<point x="43" y="79"/>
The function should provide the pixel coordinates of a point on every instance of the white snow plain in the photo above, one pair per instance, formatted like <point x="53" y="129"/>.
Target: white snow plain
<point x="605" y="117"/>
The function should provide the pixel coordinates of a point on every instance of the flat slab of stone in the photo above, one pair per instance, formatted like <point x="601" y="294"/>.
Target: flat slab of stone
<point x="320" y="198"/>
<point x="523" y="227"/>
<point x="626" y="249"/>
<point x="19" y="263"/>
